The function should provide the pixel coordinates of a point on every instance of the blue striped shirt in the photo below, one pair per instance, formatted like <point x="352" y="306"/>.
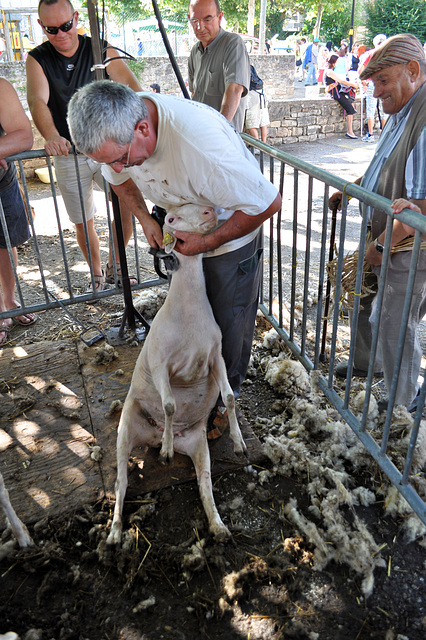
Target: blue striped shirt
<point x="416" y="164"/>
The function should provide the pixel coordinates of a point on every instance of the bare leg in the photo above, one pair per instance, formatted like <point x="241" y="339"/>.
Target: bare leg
<point x="350" y="119"/>
<point x="93" y="242"/>
<point x="7" y="291"/>
<point x="264" y="133"/>
<point x="254" y="133"/>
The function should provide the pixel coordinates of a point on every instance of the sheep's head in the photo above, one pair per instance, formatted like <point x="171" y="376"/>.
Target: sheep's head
<point x="193" y="218"/>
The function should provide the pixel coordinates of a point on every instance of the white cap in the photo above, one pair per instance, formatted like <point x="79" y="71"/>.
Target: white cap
<point x="377" y="40"/>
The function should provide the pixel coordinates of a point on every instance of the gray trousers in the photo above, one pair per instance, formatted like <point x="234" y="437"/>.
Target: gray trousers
<point x="232" y="283"/>
<point x="390" y="323"/>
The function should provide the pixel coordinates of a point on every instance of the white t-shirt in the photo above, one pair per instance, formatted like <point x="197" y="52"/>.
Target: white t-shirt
<point x="199" y="158"/>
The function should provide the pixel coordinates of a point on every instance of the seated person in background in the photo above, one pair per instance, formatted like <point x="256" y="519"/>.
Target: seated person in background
<point x="15" y="136"/>
<point x="333" y="84"/>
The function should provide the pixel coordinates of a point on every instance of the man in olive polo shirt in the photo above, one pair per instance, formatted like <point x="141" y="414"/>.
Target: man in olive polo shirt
<point x="218" y="65"/>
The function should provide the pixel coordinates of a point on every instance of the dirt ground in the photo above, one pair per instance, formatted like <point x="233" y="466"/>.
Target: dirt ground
<point x="171" y="580"/>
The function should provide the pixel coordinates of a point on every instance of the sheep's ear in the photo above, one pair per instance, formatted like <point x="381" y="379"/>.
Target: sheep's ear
<point x="169" y="242"/>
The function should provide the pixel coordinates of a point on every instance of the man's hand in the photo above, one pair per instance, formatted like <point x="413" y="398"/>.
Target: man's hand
<point x="372" y="256"/>
<point x="191" y="244"/>
<point x="3" y="164"/>
<point x="152" y="231"/>
<point x="57" y="146"/>
<point x="335" y="199"/>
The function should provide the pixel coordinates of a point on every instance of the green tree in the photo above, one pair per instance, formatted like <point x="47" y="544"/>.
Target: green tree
<point x="336" y="21"/>
<point x="396" y="16"/>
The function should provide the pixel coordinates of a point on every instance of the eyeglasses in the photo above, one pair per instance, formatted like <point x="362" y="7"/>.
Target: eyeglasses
<point x="206" y="21"/>
<point x="120" y="162"/>
<point x="52" y="31"/>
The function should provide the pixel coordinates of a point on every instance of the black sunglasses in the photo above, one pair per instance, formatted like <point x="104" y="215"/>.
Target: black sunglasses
<point x="63" y="27"/>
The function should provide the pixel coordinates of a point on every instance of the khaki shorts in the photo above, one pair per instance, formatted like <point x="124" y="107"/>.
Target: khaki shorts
<point x="257" y="117"/>
<point x="66" y="176"/>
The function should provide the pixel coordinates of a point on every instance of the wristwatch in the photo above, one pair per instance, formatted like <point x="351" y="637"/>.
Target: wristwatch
<point x="378" y="246"/>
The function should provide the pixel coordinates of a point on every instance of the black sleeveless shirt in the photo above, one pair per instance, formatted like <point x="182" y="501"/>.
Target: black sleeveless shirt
<point x="65" y="75"/>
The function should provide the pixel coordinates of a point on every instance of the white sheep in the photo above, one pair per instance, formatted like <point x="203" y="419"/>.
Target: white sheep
<point x="19" y="530"/>
<point x="178" y="376"/>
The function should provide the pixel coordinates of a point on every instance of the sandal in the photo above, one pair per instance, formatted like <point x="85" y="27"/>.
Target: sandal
<point x="217" y="422"/>
<point x="32" y="318"/>
<point x="6" y="329"/>
<point x="100" y="284"/>
<point x="109" y="275"/>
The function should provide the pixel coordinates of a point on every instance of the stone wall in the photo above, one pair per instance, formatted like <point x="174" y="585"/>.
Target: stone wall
<point x="277" y="73"/>
<point x="292" y="120"/>
<point x="307" y="120"/>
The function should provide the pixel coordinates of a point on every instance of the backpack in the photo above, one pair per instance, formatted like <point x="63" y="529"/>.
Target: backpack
<point x="256" y="83"/>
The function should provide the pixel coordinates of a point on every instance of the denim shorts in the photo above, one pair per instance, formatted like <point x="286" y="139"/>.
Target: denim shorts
<point x="16" y="217"/>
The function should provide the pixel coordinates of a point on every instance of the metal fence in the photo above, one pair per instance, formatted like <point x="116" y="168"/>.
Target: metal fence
<point x="299" y="241"/>
<point x="72" y="279"/>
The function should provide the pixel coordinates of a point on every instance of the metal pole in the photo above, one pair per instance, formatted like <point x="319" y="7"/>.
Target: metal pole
<point x="351" y="30"/>
<point x="322" y="357"/>
<point x="262" y="26"/>
<point x="169" y="51"/>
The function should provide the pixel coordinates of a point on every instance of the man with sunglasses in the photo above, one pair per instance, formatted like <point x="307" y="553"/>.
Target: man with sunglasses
<point x="218" y="65"/>
<point x="55" y="70"/>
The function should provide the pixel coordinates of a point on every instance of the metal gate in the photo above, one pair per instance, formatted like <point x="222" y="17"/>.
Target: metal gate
<point x="299" y="241"/>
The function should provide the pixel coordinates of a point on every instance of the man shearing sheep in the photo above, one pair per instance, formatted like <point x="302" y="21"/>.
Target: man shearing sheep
<point x="176" y="151"/>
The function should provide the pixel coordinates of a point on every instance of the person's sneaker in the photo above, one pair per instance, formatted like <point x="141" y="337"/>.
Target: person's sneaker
<point x="341" y="370"/>
<point x="412" y="407"/>
<point x="369" y="138"/>
<point x="383" y="404"/>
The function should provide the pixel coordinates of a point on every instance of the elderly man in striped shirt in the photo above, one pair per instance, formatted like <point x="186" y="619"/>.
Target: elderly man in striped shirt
<point x="397" y="170"/>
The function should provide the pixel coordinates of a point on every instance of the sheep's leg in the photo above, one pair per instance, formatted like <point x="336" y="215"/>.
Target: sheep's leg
<point x="219" y="372"/>
<point x="162" y="384"/>
<point x="200" y="456"/>
<point x="19" y="530"/>
<point x="127" y="429"/>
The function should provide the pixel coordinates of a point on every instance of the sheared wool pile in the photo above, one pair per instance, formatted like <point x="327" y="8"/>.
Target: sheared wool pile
<point x="149" y="301"/>
<point x="309" y="440"/>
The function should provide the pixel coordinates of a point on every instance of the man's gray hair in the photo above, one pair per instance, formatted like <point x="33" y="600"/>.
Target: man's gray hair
<point x="103" y="111"/>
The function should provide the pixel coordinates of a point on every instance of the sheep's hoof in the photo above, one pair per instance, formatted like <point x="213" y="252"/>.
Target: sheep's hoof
<point x="240" y="447"/>
<point x="166" y="458"/>
<point x="115" y="534"/>
<point x="220" y="531"/>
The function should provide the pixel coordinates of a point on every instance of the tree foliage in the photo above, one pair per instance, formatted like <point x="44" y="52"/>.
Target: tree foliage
<point x="336" y="14"/>
<point x="396" y="16"/>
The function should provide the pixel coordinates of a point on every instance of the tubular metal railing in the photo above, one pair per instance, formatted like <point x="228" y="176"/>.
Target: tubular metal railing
<point x="302" y="240"/>
<point x="299" y="241"/>
<point x="68" y="286"/>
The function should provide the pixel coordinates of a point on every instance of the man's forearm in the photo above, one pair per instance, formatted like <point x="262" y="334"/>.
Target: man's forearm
<point x="43" y="119"/>
<point x="231" y="100"/>
<point x="133" y="198"/>
<point x="239" y="224"/>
